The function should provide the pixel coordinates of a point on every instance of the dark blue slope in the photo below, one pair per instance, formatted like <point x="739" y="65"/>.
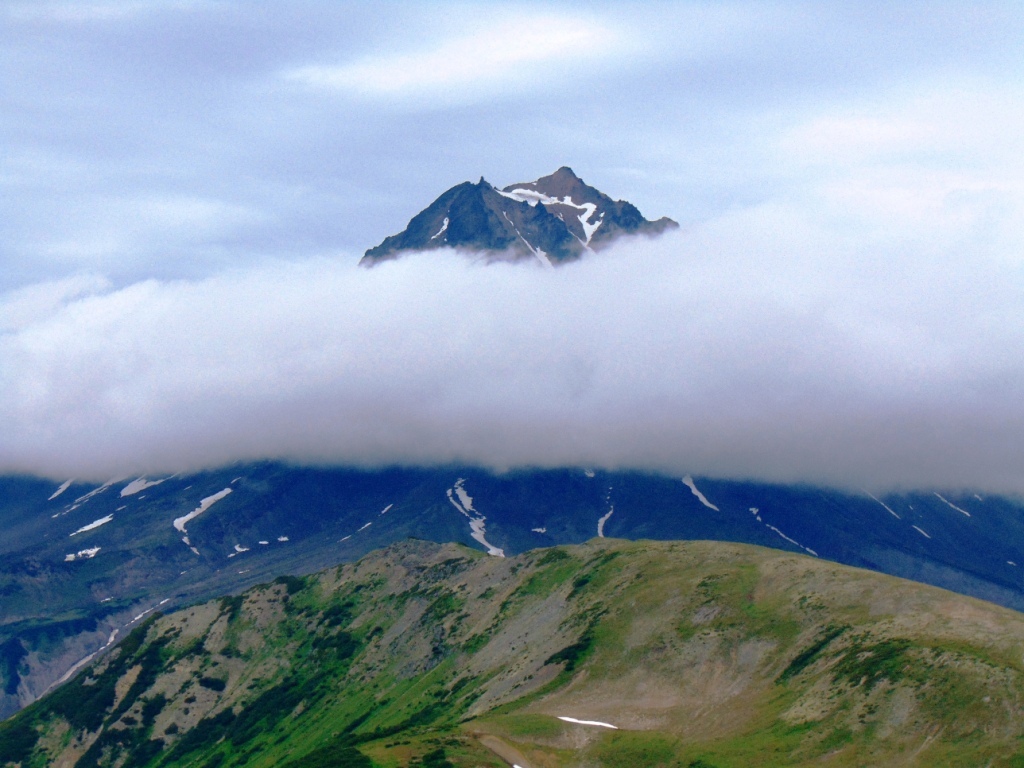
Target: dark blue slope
<point x="281" y="519"/>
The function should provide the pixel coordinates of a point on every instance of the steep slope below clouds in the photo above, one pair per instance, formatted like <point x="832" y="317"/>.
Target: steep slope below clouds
<point x="63" y="596"/>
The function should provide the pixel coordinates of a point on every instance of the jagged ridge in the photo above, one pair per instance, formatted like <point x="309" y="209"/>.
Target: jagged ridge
<point x="554" y="219"/>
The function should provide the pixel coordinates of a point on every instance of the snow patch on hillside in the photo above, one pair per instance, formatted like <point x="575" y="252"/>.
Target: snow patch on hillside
<point x="700" y="496"/>
<point x="887" y="508"/>
<point x="82" y="554"/>
<point x="951" y="505"/>
<point x="204" y="504"/>
<point x="597" y="723"/>
<point x="139" y="484"/>
<point x="93" y="525"/>
<point x="602" y="520"/>
<point x="95" y="491"/>
<point x="64" y="486"/>
<point x="463" y="502"/>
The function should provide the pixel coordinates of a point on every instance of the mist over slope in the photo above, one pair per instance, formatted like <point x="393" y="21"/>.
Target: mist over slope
<point x="734" y="350"/>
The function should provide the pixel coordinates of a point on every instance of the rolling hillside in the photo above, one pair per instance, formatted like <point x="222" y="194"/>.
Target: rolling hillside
<point x="608" y="653"/>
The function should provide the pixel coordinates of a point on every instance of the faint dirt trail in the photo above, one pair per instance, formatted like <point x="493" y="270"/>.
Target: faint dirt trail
<point x="508" y="753"/>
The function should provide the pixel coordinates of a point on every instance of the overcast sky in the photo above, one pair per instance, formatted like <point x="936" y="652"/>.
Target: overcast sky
<point x="186" y="188"/>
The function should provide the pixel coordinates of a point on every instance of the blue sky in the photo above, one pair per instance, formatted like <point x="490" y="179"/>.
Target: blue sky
<point x="849" y="177"/>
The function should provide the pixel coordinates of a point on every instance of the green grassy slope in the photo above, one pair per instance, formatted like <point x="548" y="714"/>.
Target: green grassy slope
<point x="702" y="654"/>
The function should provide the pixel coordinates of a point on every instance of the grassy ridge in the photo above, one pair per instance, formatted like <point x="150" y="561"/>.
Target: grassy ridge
<point x="702" y="654"/>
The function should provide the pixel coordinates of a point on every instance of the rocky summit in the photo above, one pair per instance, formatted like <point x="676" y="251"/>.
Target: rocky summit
<point x="554" y="219"/>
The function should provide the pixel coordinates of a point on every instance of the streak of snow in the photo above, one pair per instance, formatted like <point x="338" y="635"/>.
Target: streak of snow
<point x="364" y="527"/>
<point x="978" y="497"/>
<point x="240" y="477"/>
<point x="602" y="520"/>
<point x="920" y="531"/>
<point x="951" y="505"/>
<point x="204" y="504"/>
<point x="194" y="550"/>
<point x="700" y="496"/>
<point x="588" y="472"/>
<point x="542" y="257"/>
<point x="140" y="484"/>
<point x="389" y="506"/>
<point x="539" y="530"/>
<point x="598" y="723"/>
<point x="532" y="197"/>
<point x="94" y="524"/>
<point x="345" y="538"/>
<point x="240" y="548"/>
<point x="1010" y="562"/>
<point x="64" y="486"/>
<point x="589" y="228"/>
<point x="887" y="508"/>
<point x="86" y="496"/>
<point x="477" y="527"/>
<point x="465" y="499"/>
<point x="282" y="538"/>
<point x="442" y="229"/>
<point x="791" y="541"/>
<point x="264" y="543"/>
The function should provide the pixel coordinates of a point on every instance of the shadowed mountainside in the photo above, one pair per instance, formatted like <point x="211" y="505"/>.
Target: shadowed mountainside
<point x="257" y="521"/>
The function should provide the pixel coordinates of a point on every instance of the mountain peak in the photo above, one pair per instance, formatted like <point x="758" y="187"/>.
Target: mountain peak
<point x="554" y="219"/>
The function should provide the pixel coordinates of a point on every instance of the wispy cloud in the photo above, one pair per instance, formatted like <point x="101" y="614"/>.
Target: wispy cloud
<point x="503" y="53"/>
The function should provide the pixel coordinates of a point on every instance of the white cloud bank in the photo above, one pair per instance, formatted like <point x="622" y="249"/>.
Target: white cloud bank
<point x="757" y="346"/>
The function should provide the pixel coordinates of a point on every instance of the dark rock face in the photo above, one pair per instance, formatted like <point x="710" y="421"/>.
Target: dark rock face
<point x="553" y="219"/>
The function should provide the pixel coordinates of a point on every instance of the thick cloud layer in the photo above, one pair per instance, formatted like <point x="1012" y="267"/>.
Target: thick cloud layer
<point x="750" y="348"/>
<point x="186" y="188"/>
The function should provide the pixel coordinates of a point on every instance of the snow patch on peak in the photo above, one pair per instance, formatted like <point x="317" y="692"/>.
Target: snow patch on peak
<point x="441" y="231"/>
